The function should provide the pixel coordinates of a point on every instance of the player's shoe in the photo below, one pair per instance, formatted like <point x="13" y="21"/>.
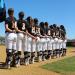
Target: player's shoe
<point x="32" y="60"/>
<point x="39" y="58"/>
<point x="8" y="66"/>
<point x="43" y="58"/>
<point x="26" y="61"/>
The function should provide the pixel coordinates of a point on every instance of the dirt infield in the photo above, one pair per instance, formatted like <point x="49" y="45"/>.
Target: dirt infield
<point x="32" y="69"/>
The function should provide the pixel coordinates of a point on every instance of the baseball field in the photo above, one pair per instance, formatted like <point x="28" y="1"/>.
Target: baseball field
<point x="58" y="66"/>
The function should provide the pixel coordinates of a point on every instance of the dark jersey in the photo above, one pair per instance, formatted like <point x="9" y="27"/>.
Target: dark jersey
<point x="37" y="30"/>
<point x="10" y="22"/>
<point x="42" y="31"/>
<point x="62" y="34"/>
<point x="31" y="29"/>
<point x="52" y="33"/>
<point x="46" y="30"/>
<point x="57" y="33"/>
<point x="21" y="24"/>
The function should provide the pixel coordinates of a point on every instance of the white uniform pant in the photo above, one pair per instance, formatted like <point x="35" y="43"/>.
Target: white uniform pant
<point x="29" y="44"/>
<point x="21" y="42"/>
<point x="11" y="41"/>
<point x="38" y="44"/>
<point x="48" y="44"/>
<point x="56" y="43"/>
<point x="43" y="44"/>
<point x="60" y="43"/>
<point x="33" y="45"/>
<point x="64" y="44"/>
<point x="53" y="44"/>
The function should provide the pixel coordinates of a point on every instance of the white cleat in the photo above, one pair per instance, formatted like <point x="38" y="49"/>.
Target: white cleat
<point x="26" y="62"/>
<point x="39" y="58"/>
<point x="43" y="59"/>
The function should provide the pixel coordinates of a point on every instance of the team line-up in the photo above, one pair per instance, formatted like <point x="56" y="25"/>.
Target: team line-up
<point x="34" y="39"/>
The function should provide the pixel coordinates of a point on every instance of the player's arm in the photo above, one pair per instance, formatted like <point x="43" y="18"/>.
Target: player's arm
<point x="30" y="35"/>
<point x="46" y="36"/>
<point x="17" y="28"/>
<point x="7" y="28"/>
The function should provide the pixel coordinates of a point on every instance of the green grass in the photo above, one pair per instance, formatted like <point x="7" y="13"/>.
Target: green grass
<point x="65" y="66"/>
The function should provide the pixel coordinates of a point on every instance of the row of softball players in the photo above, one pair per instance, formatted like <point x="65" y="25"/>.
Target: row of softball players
<point x="35" y="40"/>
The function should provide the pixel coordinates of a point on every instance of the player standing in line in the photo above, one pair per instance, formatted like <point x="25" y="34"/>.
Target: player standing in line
<point x="38" y="42"/>
<point x="51" y="41"/>
<point x="30" y="39"/>
<point x="43" y="40"/>
<point x="64" y="40"/>
<point x="49" y="44"/>
<point x="54" y="42"/>
<point x="11" y="38"/>
<point x="57" y="41"/>
<point x="37" y="31"/>
<point x="60" y="41"/>
<point x="21" y="36"/>
<point x="47" y="38"/>
<point x="33" y="33"/>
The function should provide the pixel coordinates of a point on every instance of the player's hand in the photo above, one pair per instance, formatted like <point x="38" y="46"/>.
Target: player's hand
<point x="13" y="31"/>
<point x="34" y="38"/>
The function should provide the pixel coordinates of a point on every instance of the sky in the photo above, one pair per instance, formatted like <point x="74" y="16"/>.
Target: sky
<point x="60" y="12"/>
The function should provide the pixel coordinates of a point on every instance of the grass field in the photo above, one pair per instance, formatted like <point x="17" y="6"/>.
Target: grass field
<point x="65" y="66"/>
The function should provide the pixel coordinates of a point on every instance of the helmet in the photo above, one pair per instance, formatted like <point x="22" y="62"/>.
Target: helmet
<point x="58" y="28"/>
<point x="51" y="26"/>
<point x="42" y="24"/>
<point x="62" y="26"/>
<point x="21" y="14"/>
<point x="10" y="11"/>
<point x="29" y="18"/>
<point x="54" y="25"/>
<point x="46" y="23"/>
<point x="35" y="20"/>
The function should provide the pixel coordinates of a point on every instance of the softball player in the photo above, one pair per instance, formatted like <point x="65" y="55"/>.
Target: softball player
<point x="47" y="32"/>
<point x="43" y="41"/>
<point x="31" y="46"/>
<point x="33" y="32"/>
<point x="54" y="40"/>
<point x="64" y="40"/>
<point x="46" y="39"/>
<point x="49" y="43"/>
<point x="38" y="42"/>
<point x="11" y="38"/>
<point x="60" y="42"/>
<point x="21" y="36"/>
<point x="57" y="41"/>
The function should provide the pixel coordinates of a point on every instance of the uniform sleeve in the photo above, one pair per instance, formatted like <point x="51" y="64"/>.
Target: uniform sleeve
<point x="6" y="21"/>
<point x="27" y="25"/>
